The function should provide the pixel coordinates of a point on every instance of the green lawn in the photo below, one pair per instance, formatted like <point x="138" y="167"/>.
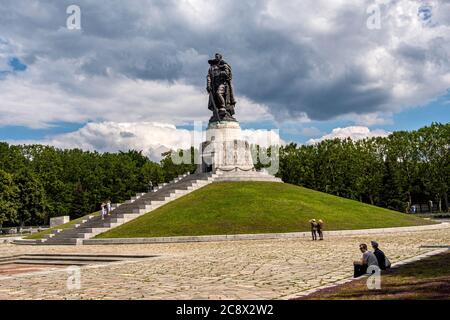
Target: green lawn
<point x="41" y="234"/>
<point x="257" y="207"/>
<point x="426" y="279"/>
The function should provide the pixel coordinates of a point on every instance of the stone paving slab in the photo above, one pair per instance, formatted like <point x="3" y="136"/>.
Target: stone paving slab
<point x="256" y="269"/>
<point x="13" y="269"/>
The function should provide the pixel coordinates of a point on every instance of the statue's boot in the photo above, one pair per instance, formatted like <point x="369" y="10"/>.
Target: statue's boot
<point x="222" y="112"/>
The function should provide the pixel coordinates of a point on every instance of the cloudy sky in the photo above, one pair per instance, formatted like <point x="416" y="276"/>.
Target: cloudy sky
<point x="134" y="75"/>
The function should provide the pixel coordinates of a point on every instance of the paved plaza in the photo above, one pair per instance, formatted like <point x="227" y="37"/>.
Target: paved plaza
<point x="253" y="269"/>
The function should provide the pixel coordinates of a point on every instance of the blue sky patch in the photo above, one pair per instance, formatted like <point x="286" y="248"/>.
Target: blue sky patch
<point x="25" y="133"/>
<point x="16" y="64"/>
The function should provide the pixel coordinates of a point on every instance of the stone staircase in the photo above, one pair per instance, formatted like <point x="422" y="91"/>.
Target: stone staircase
<point x="135" y="207"/>
<point x="62" y="259"/>
<point x="143" y="203"/>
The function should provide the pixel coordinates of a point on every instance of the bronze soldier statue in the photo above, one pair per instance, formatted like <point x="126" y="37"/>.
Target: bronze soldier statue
<point x="220" y="89"/>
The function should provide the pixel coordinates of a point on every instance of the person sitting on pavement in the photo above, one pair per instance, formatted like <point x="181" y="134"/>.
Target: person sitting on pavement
<point x="383" y="262"/>
<point x="368" y="259"/>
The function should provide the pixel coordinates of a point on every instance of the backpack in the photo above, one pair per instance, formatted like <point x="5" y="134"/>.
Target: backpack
<point x="387" y="262"/>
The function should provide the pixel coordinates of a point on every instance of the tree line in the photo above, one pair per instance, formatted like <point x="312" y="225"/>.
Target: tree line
<point x="394" y="172"/>
<point x="39" y="182"/>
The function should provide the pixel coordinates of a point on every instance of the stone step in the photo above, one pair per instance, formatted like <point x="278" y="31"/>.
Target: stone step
<point x="78" y="236"/>
<point x="112" y="219"/>
<point x="133" y="208"/>
<point x="68" y="232"/>
<point x="148" y="208"/>
<point x="105" y="224"/>
<point x="77" y="255"/>
<point x="70" y="241"/>
<point x="76" y="230"/>
<point x="173" y="187"/>
<point x="155" y="197"/>
<point x="127" y="215"/>
<point x="26" y="242"/>
<point x="143" y="211"/>
<point x="67" y="258"/>
<point x="4" y="260"/>
<point x="72" y="235"/>
<point x="91" y="229"/>
<point x="55" y="262"/>
<point x="160" y="197"/>
<point x="54" y="233"/>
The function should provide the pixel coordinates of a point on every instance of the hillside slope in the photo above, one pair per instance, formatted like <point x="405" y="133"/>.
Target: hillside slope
<point x="257" y="207"/>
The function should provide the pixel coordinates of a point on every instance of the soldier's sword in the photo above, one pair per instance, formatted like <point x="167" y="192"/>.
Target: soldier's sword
<point x="215" y="110"/>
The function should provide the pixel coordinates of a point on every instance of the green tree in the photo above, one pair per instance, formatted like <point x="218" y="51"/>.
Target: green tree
<point x="402" y="158"/>
<point x="369" y="166"/>
<point x="172" y="170"/>
<point x="152" y="171"/>
<point x="31" y="198"/>
<point x="434" y="144"/>
<point x="8" y="198"/>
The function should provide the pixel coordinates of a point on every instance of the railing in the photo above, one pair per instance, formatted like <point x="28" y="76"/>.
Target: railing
<point x="424" y="208"/>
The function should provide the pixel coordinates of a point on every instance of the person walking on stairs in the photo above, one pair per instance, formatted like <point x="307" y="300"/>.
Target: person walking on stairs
<point x="108" y="207"/>
<point x="103" y="206"/>
<point x="150" y="186"/>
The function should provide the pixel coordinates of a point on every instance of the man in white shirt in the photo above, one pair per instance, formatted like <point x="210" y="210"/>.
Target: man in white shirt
<point x="368" y="259"/>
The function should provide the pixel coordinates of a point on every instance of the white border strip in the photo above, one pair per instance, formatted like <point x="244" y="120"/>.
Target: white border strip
<point x="115" y="241"/>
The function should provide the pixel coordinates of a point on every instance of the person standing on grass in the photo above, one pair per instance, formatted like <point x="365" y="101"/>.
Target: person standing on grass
<point x="313" y="229"/>
<point x="103" y="206"/>
<point x="368" y="259"/>
<point x="320" y="229"/>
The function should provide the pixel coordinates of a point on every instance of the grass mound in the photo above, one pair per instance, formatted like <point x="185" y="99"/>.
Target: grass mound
<point x="257" y="207"/>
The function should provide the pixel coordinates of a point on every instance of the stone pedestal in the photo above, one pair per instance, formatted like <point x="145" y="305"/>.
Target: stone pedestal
<point x="56" y="221"/>
<point x="225" y="149"/>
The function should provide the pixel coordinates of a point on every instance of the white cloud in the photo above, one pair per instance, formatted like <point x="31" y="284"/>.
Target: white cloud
<point x="152" y="138"/>
<point x="369" y="119"/>
<point x="146" y="60"/>
<point x="296" y="130"/>
<point x="34" y="100"/>
<point x="353" y="132"/>
<point x="263" y="138"/>
<point x="311" y="131"/>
